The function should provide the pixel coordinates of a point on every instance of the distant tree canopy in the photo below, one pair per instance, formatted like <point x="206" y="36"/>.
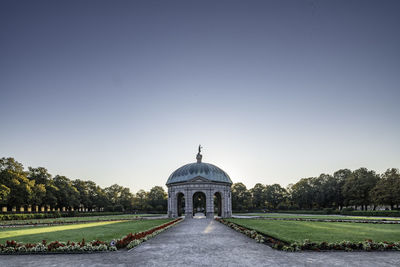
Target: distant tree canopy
<point x="36" y="187"/>
<point x="360" y="188"/>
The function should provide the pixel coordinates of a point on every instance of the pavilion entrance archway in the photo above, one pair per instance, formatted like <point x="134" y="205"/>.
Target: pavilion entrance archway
<point x="181" y="204"/>
<point x="218" y="204"/>
<point x="199" y="203"/>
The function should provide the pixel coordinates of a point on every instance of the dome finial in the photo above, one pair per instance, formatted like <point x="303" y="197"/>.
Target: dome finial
<point x="199" y="156"/>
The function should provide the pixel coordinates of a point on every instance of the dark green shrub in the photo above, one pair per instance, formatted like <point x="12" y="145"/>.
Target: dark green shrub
<point x="347" y="209"/>
<point x="389" y="213"/>
<point x="329" y="211"/>
<point x="118" y="208"/>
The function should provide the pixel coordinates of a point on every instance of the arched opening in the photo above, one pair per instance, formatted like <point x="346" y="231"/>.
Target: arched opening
<point x="199" y="203"/>
<point x="181" y="204"/>
<point x="218" y="204"/>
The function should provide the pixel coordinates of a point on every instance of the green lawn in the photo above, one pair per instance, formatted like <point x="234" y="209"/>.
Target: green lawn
<point x="303" y="216"/>
<point x="105" y="231"/>
<point x="78" y="219"/>
<point x="291" y="231"/>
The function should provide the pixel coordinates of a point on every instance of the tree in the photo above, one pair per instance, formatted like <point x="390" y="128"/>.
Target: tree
<point x="158" y="198"/>
<point x="241" y="197"/>
<point x="113" y="193"/>
<point x="4" y="193"/>
<point x="13" y="177"/>
<point x="120" y="197"/>
<point x="303" y="193"/>
<point x="387" y="189"/>
<point x="42" y="193"/>
<point x="126" y="199"/>
<point x="67" y="195"/>
<point x="97" y="196"/>
<point x="258" y="196"/>
<point x="274" y="195"/>
<point x="38" y="194"/>
<point x="84" y="195"/>
<point x="140" y="200"/>
<point x="340" y="177"/>
<point x="40" y="175"/>
<point x="358" y="187"/>
<point x="324" y="191"/>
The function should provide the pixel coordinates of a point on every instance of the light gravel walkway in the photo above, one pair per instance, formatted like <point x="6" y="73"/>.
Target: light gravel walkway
<point x="204" y="242"/>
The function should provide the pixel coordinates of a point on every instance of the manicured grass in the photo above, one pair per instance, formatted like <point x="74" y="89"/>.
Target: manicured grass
<point x="328" y="217"/>
<point x="78" y="219"/>
<point x="105" y="231"/>
<point x="291" y="231"/>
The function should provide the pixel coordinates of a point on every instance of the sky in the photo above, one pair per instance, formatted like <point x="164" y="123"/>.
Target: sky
<point x="124" y="91"/>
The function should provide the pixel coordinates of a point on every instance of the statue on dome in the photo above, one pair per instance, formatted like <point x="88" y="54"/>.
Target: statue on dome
<point x="199" y="156"/>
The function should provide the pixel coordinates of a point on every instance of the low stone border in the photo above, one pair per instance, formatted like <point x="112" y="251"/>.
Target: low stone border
<point x="367" y="245"/>
<point x="13" y="247"/>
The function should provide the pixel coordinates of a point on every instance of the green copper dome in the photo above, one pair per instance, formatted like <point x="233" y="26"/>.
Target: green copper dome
<point x="204" y="170"/>
<point x="199" y="169"/>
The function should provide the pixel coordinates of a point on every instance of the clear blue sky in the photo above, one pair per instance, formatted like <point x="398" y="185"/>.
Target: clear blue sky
<point x="124" y="91"/>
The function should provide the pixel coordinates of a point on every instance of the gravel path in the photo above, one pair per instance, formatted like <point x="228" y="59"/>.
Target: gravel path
<point x="200" y="242"/>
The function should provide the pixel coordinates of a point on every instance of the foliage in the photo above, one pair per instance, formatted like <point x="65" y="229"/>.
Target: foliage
<point x="61" y="247"/>
<point x="36" y="187"/>
<point x="358" y="187"/>
<point x="241" y="197"/>
<point x="325" y="194"/>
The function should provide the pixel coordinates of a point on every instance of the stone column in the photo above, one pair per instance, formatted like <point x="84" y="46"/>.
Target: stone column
<point x="173" y="204"/>
<point x="229" y="203"/>
<point x="210" y="204"/>
<point x="226" y="203"/>
<point x="223" y="203"/>
<point x="169" y="204"/>
<point x="189" y="204"/>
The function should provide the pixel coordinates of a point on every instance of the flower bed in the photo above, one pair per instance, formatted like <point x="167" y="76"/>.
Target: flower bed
<point x="138" y="238"/>
<point x="130" y="240"/>
<point x="11" y="247"/>
<point x="367" y="245"/>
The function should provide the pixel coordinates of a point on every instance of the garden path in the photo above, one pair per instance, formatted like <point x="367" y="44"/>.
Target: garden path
<point x="205" y="242"/>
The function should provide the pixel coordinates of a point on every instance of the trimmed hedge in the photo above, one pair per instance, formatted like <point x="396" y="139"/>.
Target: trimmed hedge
<point x="382" y="213"/>
<point x="28" y="216"/>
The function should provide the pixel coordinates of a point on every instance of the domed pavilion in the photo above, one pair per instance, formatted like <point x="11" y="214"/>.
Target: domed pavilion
<point x="199" y="187"/>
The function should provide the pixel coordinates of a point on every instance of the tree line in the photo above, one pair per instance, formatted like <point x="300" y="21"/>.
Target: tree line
<point x="361" y="189"/>
<point x="37" y="187"/>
